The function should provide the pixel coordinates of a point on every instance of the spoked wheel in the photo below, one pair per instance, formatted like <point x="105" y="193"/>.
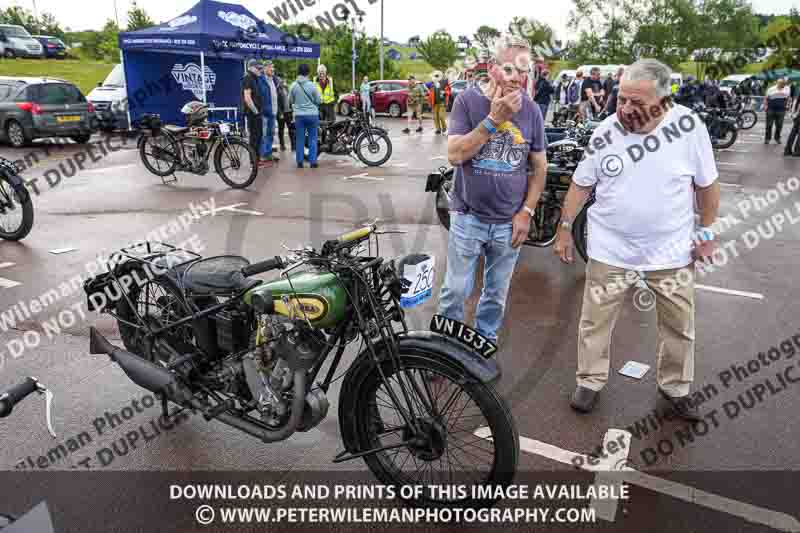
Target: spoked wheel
<point x="748" y="119"/>
<point x="374" y="152"/>
<point x="159" y="153"/>
<point x="725" y="139"/>
<point x="16" y="211"/>
<point x="236" y="163"/>
<point x="443" y="203"/>
<point x="158" y="303"/>
<point x="462" y="434"/>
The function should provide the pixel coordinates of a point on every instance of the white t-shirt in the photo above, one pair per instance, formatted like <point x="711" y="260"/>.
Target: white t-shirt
<point x="643" y="218"/>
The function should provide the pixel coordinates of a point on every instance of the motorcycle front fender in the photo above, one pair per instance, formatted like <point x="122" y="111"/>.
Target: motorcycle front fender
<point x="19" y="185"/>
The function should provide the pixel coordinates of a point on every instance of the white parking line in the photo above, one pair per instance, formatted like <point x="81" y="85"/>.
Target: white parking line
<point x="363" y="176"/>
<point x="709" y="288"/>
<point x="108" y="169"/>
<point x="234" y="208"/>
<point x="438" y="157"/>
<point x="726" y="163"/>
<point x="8" y="283"/>
<point x="606" y="508"/>
<point x="746" y="511"/>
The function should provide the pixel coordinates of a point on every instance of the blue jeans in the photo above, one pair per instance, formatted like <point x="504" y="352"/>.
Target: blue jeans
<point x="543" y="108"/>
<point x="301" y="124"/>
<point x="268" y="132"/>
<point x="469" y="239"/>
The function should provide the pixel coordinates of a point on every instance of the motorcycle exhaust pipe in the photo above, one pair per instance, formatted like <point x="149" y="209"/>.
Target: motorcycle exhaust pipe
<point x="159" y="380"/>
<point x="142" y="372"/>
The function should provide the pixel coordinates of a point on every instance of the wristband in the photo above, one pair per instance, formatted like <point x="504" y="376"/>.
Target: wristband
<point x="489" y="125"/>
<point x="704" y="234"/>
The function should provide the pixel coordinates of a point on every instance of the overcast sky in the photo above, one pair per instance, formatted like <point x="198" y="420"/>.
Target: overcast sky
<point x="402" y="18"/>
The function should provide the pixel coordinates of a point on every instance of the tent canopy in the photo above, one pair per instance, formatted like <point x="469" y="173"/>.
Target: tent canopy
<point x="220" y="29"/>
<point x="776" y="74"/>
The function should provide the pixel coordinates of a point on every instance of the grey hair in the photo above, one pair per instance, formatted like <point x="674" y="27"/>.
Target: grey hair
<point x="650" y="70"/>
<point x="506" y="41"/>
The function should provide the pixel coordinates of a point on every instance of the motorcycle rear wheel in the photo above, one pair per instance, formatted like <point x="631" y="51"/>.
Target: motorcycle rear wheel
<point x="464" y="422"/>
<point x="164" y="151"/>
<point x="16" y="211"/>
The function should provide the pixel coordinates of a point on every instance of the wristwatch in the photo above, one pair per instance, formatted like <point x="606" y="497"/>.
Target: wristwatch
<point x="527" y="210"/>
<point x="566" y="224"/>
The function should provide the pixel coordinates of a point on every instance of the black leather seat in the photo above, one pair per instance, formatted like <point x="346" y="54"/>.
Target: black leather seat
<point x="222" y="274"/>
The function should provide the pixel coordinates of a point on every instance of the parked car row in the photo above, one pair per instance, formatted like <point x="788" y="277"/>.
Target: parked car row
<point x="15" y="41"/>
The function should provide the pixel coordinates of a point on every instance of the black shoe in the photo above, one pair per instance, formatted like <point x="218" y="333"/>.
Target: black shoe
<point x="683" y="407"/>
<point x="419" y="130"/>
<point x="314" y="165"/>
<point x="766" y="141"/>
<point x="283" y="148"/>
<point x="777" y="141"/>
<point x="438" y="132"/>
<point x="300" y="165"/>
<point x="406" y="130"/>
<point x="583" y="399"/>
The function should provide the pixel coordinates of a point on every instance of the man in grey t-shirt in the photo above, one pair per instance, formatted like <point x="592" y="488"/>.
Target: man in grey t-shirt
<point x="497" y="144"/>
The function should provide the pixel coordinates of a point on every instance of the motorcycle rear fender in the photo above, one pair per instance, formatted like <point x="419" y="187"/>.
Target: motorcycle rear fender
<point x="433" y="345"/>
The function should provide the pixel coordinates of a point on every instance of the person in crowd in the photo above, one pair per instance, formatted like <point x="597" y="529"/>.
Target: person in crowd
<point x="284" y="116"/>
<point x="416" y="96"/>
<point x="793" y="94"/>
<point x="574" y="92"/>
<point x="326" y="90"/>
<point x="494" y="194"/>
<point x="643" y="221"/>
<point x="793" y="142"/>
<point x="366" y="97"/>
<point x="777" y="102"/>
<point x="591" y="95"/>
<point x="305" y="99"/>
<point x="438" y="97"/>
<point x="608" y="84"/>
<point x="253" y="105"/>
<point x="611" y="101"/>
<point x="543" y="93"/>
<point x="270" y="111"/>
<point x="560" y="94"/>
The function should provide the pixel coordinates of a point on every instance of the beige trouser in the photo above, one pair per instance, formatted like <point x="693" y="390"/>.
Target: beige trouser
<point x="603" y="295"/>
<point x="439" y="117"/>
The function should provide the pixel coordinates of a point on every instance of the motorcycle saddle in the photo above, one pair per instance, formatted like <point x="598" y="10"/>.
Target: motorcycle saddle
<point x="176" y="129"/>
<point x="219" y="274"/>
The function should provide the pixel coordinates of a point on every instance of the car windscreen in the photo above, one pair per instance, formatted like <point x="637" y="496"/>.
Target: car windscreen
<point x="57" y="93"/>
<point x="115" y="78"/>
<point x="729" y="83"/>
<point x="14" y="31"/>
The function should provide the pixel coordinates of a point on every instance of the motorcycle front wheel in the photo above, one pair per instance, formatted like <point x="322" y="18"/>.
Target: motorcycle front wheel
<point x="16" y="211"/>
<point x="374" y="152"/>
<point x="727" y="136"/>
<point x="467" y="433"/>
<point x="748" y="119"/>
<point x="236" y="163"/>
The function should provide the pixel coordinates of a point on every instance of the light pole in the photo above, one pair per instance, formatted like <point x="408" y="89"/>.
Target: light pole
<point x="381" y="44"/>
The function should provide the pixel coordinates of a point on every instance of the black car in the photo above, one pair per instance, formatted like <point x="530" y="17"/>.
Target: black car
<point x="52" y="46"/>
<point x="34" y="108"/>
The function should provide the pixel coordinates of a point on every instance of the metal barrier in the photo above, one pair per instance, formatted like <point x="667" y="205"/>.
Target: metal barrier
<point x="755" y="103"/>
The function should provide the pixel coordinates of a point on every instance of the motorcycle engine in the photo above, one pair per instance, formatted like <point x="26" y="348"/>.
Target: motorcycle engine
<point x="287" y="346"/>
<point x="195" y="153"/>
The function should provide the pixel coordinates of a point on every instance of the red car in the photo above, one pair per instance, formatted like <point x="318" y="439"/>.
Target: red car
<point x="388" y="96"/>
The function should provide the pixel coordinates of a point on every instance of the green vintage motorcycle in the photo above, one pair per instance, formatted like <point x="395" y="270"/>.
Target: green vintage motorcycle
<point x="419" y="407"/>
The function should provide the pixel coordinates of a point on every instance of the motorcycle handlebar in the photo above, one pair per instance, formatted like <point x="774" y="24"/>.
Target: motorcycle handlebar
<point x="263" y="266"/>
<point x="15" y="395"/>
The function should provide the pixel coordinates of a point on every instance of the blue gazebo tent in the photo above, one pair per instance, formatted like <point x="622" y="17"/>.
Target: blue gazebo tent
<point x="202" y="51"/>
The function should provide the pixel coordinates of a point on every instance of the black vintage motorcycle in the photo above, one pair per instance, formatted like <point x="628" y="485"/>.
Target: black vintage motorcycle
<point x="563" y="156"/>
<point x="167" y="148"/>
<point x="16" y="206"/>
<point x="356" y="134"/>
<point x="416" y="406"/>
<point x="722" y="128"/>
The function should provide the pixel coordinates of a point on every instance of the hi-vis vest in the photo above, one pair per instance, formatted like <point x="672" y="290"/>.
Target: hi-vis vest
<point x="327" y="94"/>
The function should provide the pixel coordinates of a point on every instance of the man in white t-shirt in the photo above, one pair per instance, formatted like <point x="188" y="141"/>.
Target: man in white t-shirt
<point x="648" y="164"/>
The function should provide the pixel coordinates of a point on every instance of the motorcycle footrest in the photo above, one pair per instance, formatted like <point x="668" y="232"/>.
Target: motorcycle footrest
<point x="166" y="181"/>
<point x="218" y="409"/>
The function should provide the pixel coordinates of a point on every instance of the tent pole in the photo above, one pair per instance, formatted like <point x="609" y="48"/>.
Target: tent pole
<point x="203" y="74"/>
<point x="127" y="101"/>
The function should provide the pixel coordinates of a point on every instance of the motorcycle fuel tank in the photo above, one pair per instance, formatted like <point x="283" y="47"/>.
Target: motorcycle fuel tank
<point x="320" y="297"/>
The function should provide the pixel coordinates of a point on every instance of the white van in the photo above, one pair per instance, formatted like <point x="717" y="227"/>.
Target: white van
<point x="17" y="42"/>
<point x="728" y="83"/>
<point x="110" y="100"/>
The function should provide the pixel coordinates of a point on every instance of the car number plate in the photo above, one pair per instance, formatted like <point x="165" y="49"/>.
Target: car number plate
<point x="224" y="129"/>
<point x="464" y="334"/>
<point x="68" y="118"/>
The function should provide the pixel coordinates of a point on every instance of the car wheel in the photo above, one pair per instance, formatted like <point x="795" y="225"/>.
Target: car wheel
<point x="10" y="53"/>
<point x="81" y="139"/>
<point x="344" y="109"/>
<point x="395" y="110"/>
<point x="16" y="134"/>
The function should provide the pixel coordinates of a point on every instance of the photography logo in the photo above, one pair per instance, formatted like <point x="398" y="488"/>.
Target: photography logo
<point x="237" y="19"/>
<point x="189" y="77"/>
<point x="176" y="23"/>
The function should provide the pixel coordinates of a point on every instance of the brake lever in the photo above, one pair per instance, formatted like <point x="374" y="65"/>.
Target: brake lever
<point x="48" y="400"/>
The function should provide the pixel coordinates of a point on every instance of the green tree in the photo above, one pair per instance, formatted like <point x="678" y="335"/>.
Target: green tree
<point x="786" y="43"/>
<point x="48" y="25"/>
<point x="138" y="18"/>
<point x="19" y="16"/>
<point x="485" y="35"/>
<point x="538" y="34"/>
<point x="439" y="50"/>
